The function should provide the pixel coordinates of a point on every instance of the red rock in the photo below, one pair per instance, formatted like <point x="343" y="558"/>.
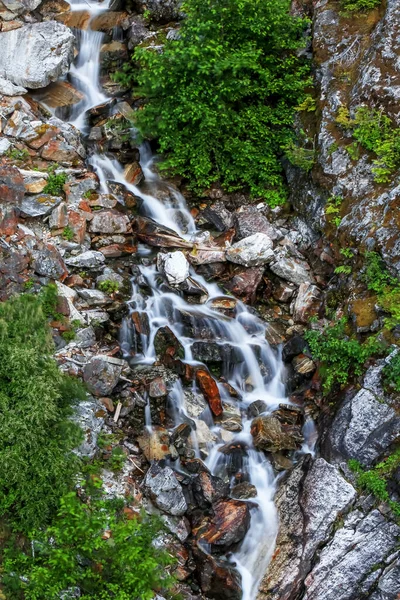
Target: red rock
<point x="218" y="578"/>
<point x="62" y="306"/>
<point x="244" y="283"/>
<point x="77" y="222"/>
<point x="74" y="281"/>
<point x="112" y="251"/>
<point x="157" y="388"/>
<point x="49" y="133"/>
<point x="141" y="322"/>
<point x="210" y="390"/>
<point x="108" y="403"/>
<point x="133" y="173"/>
<point x="8" y="220"/>
<point x="12" y="188"/>
<point x="109" y="221"/>
<point x="61" y="152"/>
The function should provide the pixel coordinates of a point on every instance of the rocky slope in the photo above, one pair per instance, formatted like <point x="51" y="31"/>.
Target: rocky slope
<point x="334" y="541"/>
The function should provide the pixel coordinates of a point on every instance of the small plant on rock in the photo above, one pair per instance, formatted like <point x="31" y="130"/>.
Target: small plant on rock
<point x="55" y="184"/>
<point x="391" y="374"/>
<point x="68" y="233"/>
<point x="360" y="5"/>
<point x="108" y="286"/>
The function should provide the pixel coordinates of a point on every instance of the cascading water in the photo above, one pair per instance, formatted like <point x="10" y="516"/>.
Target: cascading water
<point x="256" y="371"/>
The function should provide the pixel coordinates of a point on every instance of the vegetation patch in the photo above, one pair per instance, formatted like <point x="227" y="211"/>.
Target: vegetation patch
<point x="221" y="98"/>
<point x="360" y="5"/>
<point x="55" y="184"/>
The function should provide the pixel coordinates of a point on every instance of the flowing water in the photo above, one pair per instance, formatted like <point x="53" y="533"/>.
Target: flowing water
<point x="256" y="372"/>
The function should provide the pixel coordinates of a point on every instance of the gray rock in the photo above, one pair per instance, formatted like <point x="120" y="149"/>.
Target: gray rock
<point x="291" y="269"/>
<point x="164" y="490"/>
<point x="85" y="338"/>
<point x="19" y="7"/>
<point x="194" y="404"/>
<point x="73" y="136"/>
<point x="346" y="563"/>
<point x="35" y="55"/>
<point x="219" y="216"/>
<point x="9" y="89"/>
<point x="252" y="251"/>
<point x="5" y="145"/>
<point x="91" y="259"/>
<point x="87" y="416"/>
<point x="47" y="261"/>
<point x="365" y="425"/>
<point x="101" y="376"/>
<point x="110" y="275"/>
<point x="161" y="10"/>
<point x="307" y="303"/>
<point x="175" y="267"/>
<point x="109" y="221"/>
<point x="93" y="297"/>
<point x="251" y="220"/>
<point x="388" y="587"/>
<point x="39" y="205"/>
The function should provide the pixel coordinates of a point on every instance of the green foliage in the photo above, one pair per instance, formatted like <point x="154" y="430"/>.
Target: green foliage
<point x="332" y="148"/>
<point x="387" y="288"/>
<point x="93" y="547"/>
<point x="68" y="233"/>
<point x="339" y="355"/>
<point x="309" y="104"/>
<point x="332" y="209"/>
<point x="346" y="252"/>
<point x="304" y="158"/>
<point x="343" y="118"/>
<point x="36" y="402"/>
<point x="343" y="270"/>
<point x="55" y="184"/>
<point x="374" y="481"/>
<point x="353" y="151"/>
<point x="16" y="154"/>
<point x="360" y="5"/>
<point x="221" y="99"/>
<point x="109" y="287"/>
<point x="48" y="299"/>
<point x="391" y="374"/>
<point x="29" y="284"/>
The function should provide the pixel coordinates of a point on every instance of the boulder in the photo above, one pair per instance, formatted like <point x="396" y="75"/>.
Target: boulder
<point x="10" y="89"/>
<point x="36" y="54"/>
<point x="87" y="260"/>
<point x="61" y="152"/>
<point x="155" y="444"/>
<point x="209" y="387"/>
<point x="219" y="216"/>
<point x="19" y="7"/>
<point x="12" y="189"/>
<point x="194" y="404"/>
<point x="218" y="578"/>
<point x="252" y="251"/>
<point x="244" y="283"/>
<point x="109" y="221"/>
<point x="39" y="205"/>
<point x="226" y="527"/>
<point x="164" y="490"/>
<point x="162" y="11"/>
<point x="249" y="220"/>
<point x="307" y="303"/>
<point x="47" y="261"/>
<point x="174" y="266"/>
<point x="278" y="431"/>
<point x="292" y="269"/>
<point x="94" y="297"/>
<point x="88" y="416"/>
<point x="167" y="345"/>
<point x="101" y="376"/>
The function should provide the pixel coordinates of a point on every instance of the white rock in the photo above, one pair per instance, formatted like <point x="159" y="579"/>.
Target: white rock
<point x="252" y="251"/>
<point x="37" y="54"/>
<point x="204" y="435"/>
<point x="5" y="145"/>
<point x="292" y="269"/>
<point x="66" y="292"/>
<point x="174" y="265"/>
<point x="10" y="89"/>
<point x="94" y="297"/>
<point x="87" y="260"/>
<point x="87" y="417"/>
<point x="164" y="489"/>
<point x="21" y="6"/>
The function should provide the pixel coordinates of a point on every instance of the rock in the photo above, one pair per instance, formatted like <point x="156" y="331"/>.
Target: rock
<point x="206" y="256"/>
<point x="278" y="431"/>
<point x="218" y="578"/>
<point x="94" y="297"/>
<point x="365" y="424"/>
<point x="210" y="390"/>
<point x="365" y="542"/>
<point x="36" y="54"/>
<point x="226" y="527"/>
<point x="101" y="376"/>
<point x="283" y="291"/>
<point x="62" y="93"/>
<point x="10" y="89"/>
<point x="109" y="221"/>
<point x="47" y="261"/>
<point x="256" y="408"/>
<point x="174" y="266"/>
<point x="164" y="490"/>
<point x="167" y="345"/>
<point x="20" y="7"/>
<point x="274" y="334"/>
<point x="252" y="251"/>
<point x="307" y="303"/>
<point x="85" y="338"/>
<point x="78" y="19"/>
<point x="87" y="260"/>
<point x="204" y="435"/>
<point x="5" y="146"/>
<point x="296" y="345"/>
<point x="219" y="216"/>
<point x="157" y="388"/>
<point x="88" y="416"/>
<point x="210" y="352"/>
<point x="12" y="189"/>
<point x="245" y="282"/>
<point x="107" y="20"/>
<point x="249" y="220"/>
<point x="194" y="404"/>
<point x="61" y="152"/>
<point x="208" y="489"/>
<point x="162" y="11"/>
<point x="291" y="269"/>
<point x="150" y="232"/>
<point x="303" y="365"/>
<point x="155" y="445"/>
<point x="40" y="205"/>
<point x="133" y="173"/>
<point x="309" y="502"/>
<point x="244" y="491"/>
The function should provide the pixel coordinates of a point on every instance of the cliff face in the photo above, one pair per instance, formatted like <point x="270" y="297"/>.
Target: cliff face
<point x="356" y="63"/>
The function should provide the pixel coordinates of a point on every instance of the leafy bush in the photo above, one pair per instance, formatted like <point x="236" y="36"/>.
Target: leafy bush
<point x="55" y="184"/>
<point x="332" y="209"/>
<point x="68" y="233"/>
<point x="221" y="98"/>
<point x="16" y="154"/>
<point x="360" y="5"/>
<point x="387" y="288"/>
<point x="303" y="158"/>
<point x="36" y="402"/>
<point x="391" y="373"/>
<point x="339" y="355"/>
<point x="108" y="286"/>
<point x="92" y="547"/>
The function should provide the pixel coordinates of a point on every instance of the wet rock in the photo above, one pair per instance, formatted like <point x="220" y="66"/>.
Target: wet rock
<point x="365" y="542"/>
<point x="303" y="365"/>
<point x="205" y="256"/>
<point x="47" y="261"/>
<point x="208" y="489"/>
<point x="164" y="490"/>
<point x="167" y="345"/>
<point x="249" y="220"/>
<point x="141" y="322"/>
<point x="245" y="282"/>
<point x="210" y="352"/>
<point x="174" y="266"/>
<point x="218" y="216"/>
<point x="156" y="445"/>
<point x="231" y="419"/>
<point x="101" y="376"/>
<point x="244" y="491"/>
<point x="296" y="345"/>
<point x="87" y="260"/>
<point x="40" y="205"/>
<point x="252" y="251"/>
<point x="36" y="54"/>
<point x="218" y="578"/>
<point x="256" y="408"/>
<point x="309" y="501"/>
<point x="12" y="189"/>
<point x="210" y="390"/>
<point x="226" y="527"/>
<point x="365" y="424"/>
<point x="194" y="404"/>
<point x="133" y="173"/>
<point x="278" y="431"/>
<point x="224" y="304"/>
<point x="150" y="232"/>
<point x="62" y="93"/>
<point x="274" y="333"/>
<point x="204" y="435"/>
<point x="109" y="221"/>
<point x="307" y="303"/>
<point x="108" y="20"/>
<point x="157" y="388"/>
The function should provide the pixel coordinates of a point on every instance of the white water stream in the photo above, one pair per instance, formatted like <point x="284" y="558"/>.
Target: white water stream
<point x="256" y="372"/>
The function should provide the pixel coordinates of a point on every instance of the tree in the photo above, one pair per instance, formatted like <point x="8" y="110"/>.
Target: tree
<point x="221" y="97"/>
<point x="37" y="435"/>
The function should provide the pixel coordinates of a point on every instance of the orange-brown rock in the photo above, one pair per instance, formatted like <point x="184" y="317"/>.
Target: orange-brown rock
<point x="209" y="387"/>
<point x="62" y="93"/>
<point x="278" y="431"/>
<point x="227" y="526"/>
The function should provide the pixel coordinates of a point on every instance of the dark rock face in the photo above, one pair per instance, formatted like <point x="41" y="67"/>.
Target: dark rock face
<point x="218" y="578"/>
<point x="167" y="346"/>
<point x="244" y="283"/>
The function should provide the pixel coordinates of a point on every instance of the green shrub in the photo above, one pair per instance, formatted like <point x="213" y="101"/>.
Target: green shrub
<point x="360" y="5"/>
<point x="332" y="209"/>
<point x="16" y="154"/>
<point x="36" y="402"/>
<point x="68" y="233"/>
<point x="109" y="287"/>
<point x="391" y="374"/>
<point x="48" y="299"/>
<point x="221" y="99"/>
<point x="339" y="355"/>
<point x="387" y="288"/>
<point x="304" y="158"/>
<point x="55" y="184"/>
<point x="92" y="547"/>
